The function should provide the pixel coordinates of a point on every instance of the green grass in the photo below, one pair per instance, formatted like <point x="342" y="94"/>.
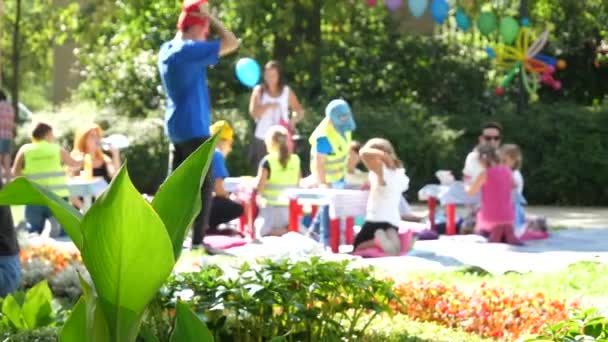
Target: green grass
<point x="581" y="280"/>
<point x="402" y="329"/>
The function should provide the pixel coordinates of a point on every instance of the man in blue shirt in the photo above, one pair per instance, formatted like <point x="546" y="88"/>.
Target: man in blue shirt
<point x="183" y="63"/>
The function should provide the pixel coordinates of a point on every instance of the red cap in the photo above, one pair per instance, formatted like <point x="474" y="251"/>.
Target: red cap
<point x="186" y="18"/>
<point x="192" y="5"/>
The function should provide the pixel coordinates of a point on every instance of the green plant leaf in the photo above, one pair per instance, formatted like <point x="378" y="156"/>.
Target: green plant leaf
<point x="37" y="308"/>
<point x="12" y="311"/>
<point x="188" y="327"/>
<point x="178" y="200"/>
<point x="22" y="191"/>
<point x="148" y="335"/>
<point x="128" y="254"/>
<point x="75" y="328"/>
<point x="87" y="320"/>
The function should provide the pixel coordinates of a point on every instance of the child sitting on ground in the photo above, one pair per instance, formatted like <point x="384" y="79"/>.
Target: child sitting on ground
<point x="278" y="171"/>
<point x="496" y="214"/>
<point x="387" y="184"/>
<point x="525" y="229"/>
<point x="510" y="156"/>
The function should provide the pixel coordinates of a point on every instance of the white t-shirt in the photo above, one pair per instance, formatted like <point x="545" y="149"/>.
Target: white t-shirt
<point x="519" y="181"/>
<point x="272" y="117"/>
<point x="472" y="167"/>
<point x="383" y="201"/>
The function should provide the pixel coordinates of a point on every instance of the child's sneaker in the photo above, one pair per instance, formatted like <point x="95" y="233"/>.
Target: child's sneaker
<point x="389" y="246"/>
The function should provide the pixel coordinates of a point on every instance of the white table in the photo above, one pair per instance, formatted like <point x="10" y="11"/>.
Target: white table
<point x="450" y="196"/>
<point x="87" y="189"/>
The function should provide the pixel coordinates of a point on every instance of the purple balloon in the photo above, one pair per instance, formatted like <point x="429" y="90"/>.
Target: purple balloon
<point x="393" y="5"/>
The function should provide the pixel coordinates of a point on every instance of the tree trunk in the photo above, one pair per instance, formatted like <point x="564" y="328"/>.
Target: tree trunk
<point x="16" y="56"/>
<point x="523" y="96"/>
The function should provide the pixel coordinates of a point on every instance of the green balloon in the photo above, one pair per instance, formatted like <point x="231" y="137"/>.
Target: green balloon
<point x="509" y="28"/>
<point x="486" y="23"/>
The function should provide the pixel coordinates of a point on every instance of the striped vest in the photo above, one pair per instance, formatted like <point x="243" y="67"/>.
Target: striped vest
<point x="281" y="179"/>
<point x="335" y="163"/>
<point x="43" y="166"/>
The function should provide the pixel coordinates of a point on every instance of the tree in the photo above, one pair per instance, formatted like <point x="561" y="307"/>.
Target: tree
<point x="36" y="28"/>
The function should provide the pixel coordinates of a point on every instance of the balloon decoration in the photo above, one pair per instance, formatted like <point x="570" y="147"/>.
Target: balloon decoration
<point x="417" y="7"/>
<point x="508" y="29"/>
<point x="393" y="5"/>
<point x="486" y="23"/>
<point x="440" y="10"/>
<point x="462" y="20"/>
<point x="248" y="72"/>
<point x="525" y="59"/>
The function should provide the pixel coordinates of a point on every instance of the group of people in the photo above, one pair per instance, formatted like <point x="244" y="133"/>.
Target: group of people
<point x="335" y="157"/>
<point x="274" y="106"/>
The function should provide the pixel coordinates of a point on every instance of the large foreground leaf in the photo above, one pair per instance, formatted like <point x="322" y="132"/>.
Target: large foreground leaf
<point x="87" y="322"/>
<point x="178" y="200"/>
<point x="22" y="191"/>
<point x="128" y="254"/>
<point x="188" y="327"/>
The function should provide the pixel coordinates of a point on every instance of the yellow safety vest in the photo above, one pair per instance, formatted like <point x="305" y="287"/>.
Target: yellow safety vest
<point x="281" y="179"/>
<point x="43" y="166"/>
<point x="335" y="163"/>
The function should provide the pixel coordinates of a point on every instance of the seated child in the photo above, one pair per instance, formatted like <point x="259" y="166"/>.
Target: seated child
<point x="278" y="171"/>
<point x="496" y="214"/>
<point x="510" y="155"/>
<point x="223" y="209"/>
<point x="387" y="184"/>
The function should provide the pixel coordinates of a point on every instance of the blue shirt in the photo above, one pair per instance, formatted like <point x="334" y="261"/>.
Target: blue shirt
<point x="218" y="165"/>
<point x="183" y="72"/>
<point x="323" y="146"/>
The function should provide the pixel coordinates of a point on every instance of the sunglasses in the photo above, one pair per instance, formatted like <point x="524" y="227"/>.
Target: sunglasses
<point x="490" y="138"/>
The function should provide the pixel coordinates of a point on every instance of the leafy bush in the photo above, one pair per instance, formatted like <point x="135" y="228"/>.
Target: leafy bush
<point x="29" y="310"/>
<point x="305" y="300"/>
<point x="489" y="312"/>
<point x="584" y="325"/>
<point x="60" y="268"/>
<point x="46" y="334"/>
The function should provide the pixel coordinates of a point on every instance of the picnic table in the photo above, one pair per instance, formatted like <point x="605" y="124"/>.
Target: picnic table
<point x="450" y="196"/>
<point x="342" y="204"/>
<point x="87" y="189"/>
<point x="244" y="190"/>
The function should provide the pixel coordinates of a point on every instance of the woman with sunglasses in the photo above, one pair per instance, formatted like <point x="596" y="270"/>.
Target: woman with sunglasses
<point x="491" y="134"/>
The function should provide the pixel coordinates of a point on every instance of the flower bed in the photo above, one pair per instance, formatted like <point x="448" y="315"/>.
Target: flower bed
<point x="487" y="311"/>
<point x="58" y="266"/>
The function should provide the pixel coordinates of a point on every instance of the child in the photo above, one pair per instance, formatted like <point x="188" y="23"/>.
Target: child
<point x="387" y="184"/>
<point x="278" y="171"/>
<point x="510" y="155"/>
<point x="41" y="162"/>
<point x="532" y="229"/>
<point x="496" y="215"/>
<point x="223" y="209"/>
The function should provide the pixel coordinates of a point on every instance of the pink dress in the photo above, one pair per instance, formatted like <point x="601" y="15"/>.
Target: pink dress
<point x="496" y="199"/>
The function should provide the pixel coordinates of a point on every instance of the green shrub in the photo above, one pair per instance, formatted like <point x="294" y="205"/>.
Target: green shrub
<point x="307" y="300"/>
<point x="46" y="334"/>
<point x="584" y="325"/>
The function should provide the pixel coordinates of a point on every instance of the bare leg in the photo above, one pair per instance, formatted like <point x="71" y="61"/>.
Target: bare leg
<point x="366" y="244"/>
<point x="6" y="165"/>
<point x="393" y="236"/>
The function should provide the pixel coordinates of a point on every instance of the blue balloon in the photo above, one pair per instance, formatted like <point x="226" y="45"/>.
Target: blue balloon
<point x="417" y="7"/>
<point x="248" y="72"/>
<point x="491" y="53"/>
<point x="462" y="20"/>
<point x="546" y="59"/>
<point x="440" y="10"/>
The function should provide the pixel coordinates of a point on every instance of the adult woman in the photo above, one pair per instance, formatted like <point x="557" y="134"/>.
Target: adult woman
<point x="270" y="104"/>
<point x="88" y="141"/>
